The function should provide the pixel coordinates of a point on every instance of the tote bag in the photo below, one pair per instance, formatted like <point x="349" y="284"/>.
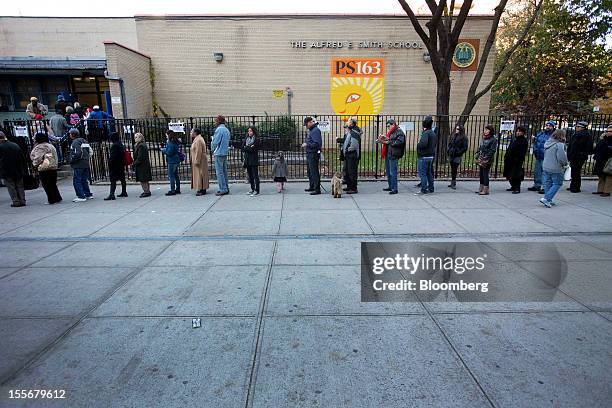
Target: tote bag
<point x="568" y="174"/>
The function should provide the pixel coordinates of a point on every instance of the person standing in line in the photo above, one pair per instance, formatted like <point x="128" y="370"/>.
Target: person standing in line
<point x="313" y="145"/>
<point x="279" y="172"/>
<point x="580" y="146"/>
<point x="457" y="146"/>
<point x="12" y="166"/>
<point x="116" y="167"/>
<point x="199" y="163"/>
<point x="142" y="165"/>
<point x="603" y="153"/>
<point x="250" y="149"/>
<point x="538" y="152"/>
<point x="171" y="151"/>
<point x="58" y="124"/>
<point x="426" y="150"/>
<point x="351" y="151"/>
<point x="484" y="158"/>
<point x="36" y="110"/>
<point x="220" y="147"/>
<point x="554" y="165"/>
<point x="44" y="160"/>
<point x="80" y="153"/>
<point x="514" y="159"/>
<point x="394" y="145"/>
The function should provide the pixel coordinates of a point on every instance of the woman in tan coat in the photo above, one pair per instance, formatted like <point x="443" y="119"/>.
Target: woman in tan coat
<point x="199" y="162"/>
<point x="44" y="161"/>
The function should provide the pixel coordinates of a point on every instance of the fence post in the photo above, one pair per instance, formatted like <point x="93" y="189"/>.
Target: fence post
<point x="376" y="144"/>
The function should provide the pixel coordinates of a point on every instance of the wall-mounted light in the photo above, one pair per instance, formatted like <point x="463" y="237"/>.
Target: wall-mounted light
<point x="218" y="56"/>
<point x="426" y="57"/>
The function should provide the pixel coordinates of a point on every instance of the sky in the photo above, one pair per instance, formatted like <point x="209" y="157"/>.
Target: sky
<point x="107" y="8"/>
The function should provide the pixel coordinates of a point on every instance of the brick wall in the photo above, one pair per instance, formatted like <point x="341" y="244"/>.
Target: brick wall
<point x="134" y="69"/>
<point x="62" y="36"/>
<point x="258" y="58"/>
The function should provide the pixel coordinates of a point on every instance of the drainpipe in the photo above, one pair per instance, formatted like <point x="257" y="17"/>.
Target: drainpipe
<point x="122" y="90"/>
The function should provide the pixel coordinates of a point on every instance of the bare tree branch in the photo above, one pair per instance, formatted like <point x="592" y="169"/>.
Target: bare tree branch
<point x="460" y="20"/>
<point x="415" y="21"/>
<point x="472" y="95"/>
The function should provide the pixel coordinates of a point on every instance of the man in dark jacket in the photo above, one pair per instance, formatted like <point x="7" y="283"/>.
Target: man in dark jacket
<point x="394" y="147"/>
<point x="514" y="159"/>
<point x="538" y="152"/>
<point x="350" y="150"/>
<point x="80" y="152"/>
<point x="313" y="146"/>
<point x="580" y="146"/>
<point x="426" y="150"/>
<point x="12" y="166"/>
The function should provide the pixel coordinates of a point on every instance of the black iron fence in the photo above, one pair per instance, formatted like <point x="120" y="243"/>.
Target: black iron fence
<point x="287" y="133"/>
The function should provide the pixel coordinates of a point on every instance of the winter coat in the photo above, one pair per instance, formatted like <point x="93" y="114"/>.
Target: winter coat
<point x="80" y="152"/>
<point x="457" y="146"/>
<point x="142" y="163"/>
<point x="314" y="142"/>
<point x="486" y="151"/>
<point x="603" y="152"/>
<point x="555" y="159"/>
<point x="199" y="164"/>
<point x="538" y="143"/>
<point x="280" y="169"/>
<point x="116" y="162"/>
<point x="12" y="160"/>
<point x="172" y="152"/>
<point x="59" y="125"/>
<point x="397" y="144"/>
<point x="37" y="155"/>
<point x="351" y="141"/>
<point x="251" y="153"/>
<point x="515" y="157"/>
<point x="426" y="147"/>
<point x="580" y="146"/>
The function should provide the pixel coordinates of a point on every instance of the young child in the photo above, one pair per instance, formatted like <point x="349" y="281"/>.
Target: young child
<point x="279" y="171"/>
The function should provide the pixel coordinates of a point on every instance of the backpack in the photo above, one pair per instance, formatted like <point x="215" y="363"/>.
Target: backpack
<point x="74" y="118"/>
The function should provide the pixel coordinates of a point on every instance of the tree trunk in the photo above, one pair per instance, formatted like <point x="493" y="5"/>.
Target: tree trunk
<point x="442" y="117"/>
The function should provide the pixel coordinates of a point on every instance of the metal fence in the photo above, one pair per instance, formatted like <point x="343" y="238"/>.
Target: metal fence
<point x="287" y="133"/>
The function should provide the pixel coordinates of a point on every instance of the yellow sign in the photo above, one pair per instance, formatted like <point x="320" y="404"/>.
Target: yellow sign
<point x="278" y="93"/>
<point x="357" y="87"/>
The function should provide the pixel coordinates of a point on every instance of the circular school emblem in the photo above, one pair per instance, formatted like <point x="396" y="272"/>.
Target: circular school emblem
<point x="465" y="55"/>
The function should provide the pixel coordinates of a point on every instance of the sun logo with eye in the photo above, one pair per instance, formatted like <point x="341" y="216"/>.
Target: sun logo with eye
<point x="354" y="96"/>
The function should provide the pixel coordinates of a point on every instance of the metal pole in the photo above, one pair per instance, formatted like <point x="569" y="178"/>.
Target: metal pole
<point x="289" y="96"/>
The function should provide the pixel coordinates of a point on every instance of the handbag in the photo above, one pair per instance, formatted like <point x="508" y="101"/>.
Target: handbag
<point x="568" y="174"/>
<point x="608" y="167"/>
<point x="127" y="158"/>
<point x="30" y="182"/>
<point x="46" y="163"/>
<point x="181" y="156"/>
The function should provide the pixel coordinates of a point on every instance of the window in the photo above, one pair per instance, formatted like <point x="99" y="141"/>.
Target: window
<point x="25" y="88"/>
<point x="6" y="96"/>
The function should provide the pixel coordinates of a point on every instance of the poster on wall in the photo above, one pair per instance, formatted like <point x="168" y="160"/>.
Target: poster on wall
<point x="20" y="131"/>
<point x="324" y="126"/>
<point x="357" y="87"/>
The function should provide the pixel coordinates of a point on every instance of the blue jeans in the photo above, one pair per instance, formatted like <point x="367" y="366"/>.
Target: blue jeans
<point x="391" y="168"/>
<point x="552" y="184"/>
<point x="425" y="169"/>
<point x="221" y="170"/>
<point x="173" y="175"/>
<point x="80" y="181"/>
<point x="537" y="173"/>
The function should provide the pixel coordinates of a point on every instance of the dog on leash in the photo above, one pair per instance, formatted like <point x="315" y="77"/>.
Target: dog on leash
<point x="336" y="185"/>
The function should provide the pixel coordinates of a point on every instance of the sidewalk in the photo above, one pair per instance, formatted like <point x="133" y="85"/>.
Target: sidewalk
<point x="97" y="298"/>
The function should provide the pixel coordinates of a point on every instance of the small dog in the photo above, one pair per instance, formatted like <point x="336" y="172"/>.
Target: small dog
<point x="336" y="185"/>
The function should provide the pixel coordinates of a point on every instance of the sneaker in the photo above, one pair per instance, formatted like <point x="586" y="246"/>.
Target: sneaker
<point x="170" y="193"/>
<point x="545" y="202"/>
<point x="387" y="189"/>
<point x="255" y="193"/>
<point x="419" y="193"/>
<point x="316" y="192"/>
<point x="553" y="203"/>
<point x="79" y="200"/>
<point x="250" y="192"/>
<point x="393" y="192"/>
<point x="516" y="192"/>
<point x="541" y="191"/>
<point x="91" y="197"/>
<point x="308" y="190"/>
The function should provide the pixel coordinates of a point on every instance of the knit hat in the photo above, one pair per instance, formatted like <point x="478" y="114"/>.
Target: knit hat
<point x="74" y="131"/>
<point x="552" y="123"/>
<point x="427" y="122"/>
<point x="390" y="122"/>
<point x="582" y="124"/>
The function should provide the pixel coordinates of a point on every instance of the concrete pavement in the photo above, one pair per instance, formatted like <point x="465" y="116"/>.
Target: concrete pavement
<point x="97" y="298"/>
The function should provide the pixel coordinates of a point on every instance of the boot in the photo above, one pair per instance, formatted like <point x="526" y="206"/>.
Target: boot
<point x="110" y="197"/>
<point x="453" y="184"/>
<point x="123" y="194"/>
<point x="480" y="189"/>
<point x="485" y="190"/>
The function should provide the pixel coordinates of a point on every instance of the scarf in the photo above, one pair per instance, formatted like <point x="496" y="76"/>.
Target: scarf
<point x="250" y="141"/>
<point x="383" y="153"/>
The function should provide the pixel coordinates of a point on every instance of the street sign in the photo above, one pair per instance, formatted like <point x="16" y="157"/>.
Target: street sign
<point x="20" y="131"/>
<point x="406" y="126"/>
<point x="507" y="125"/>
<point x="324" y="126"/>
<point x="177" y="127"/>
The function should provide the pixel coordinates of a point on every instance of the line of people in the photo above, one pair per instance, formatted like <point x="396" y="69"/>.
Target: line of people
<point x="549" y="148"/>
